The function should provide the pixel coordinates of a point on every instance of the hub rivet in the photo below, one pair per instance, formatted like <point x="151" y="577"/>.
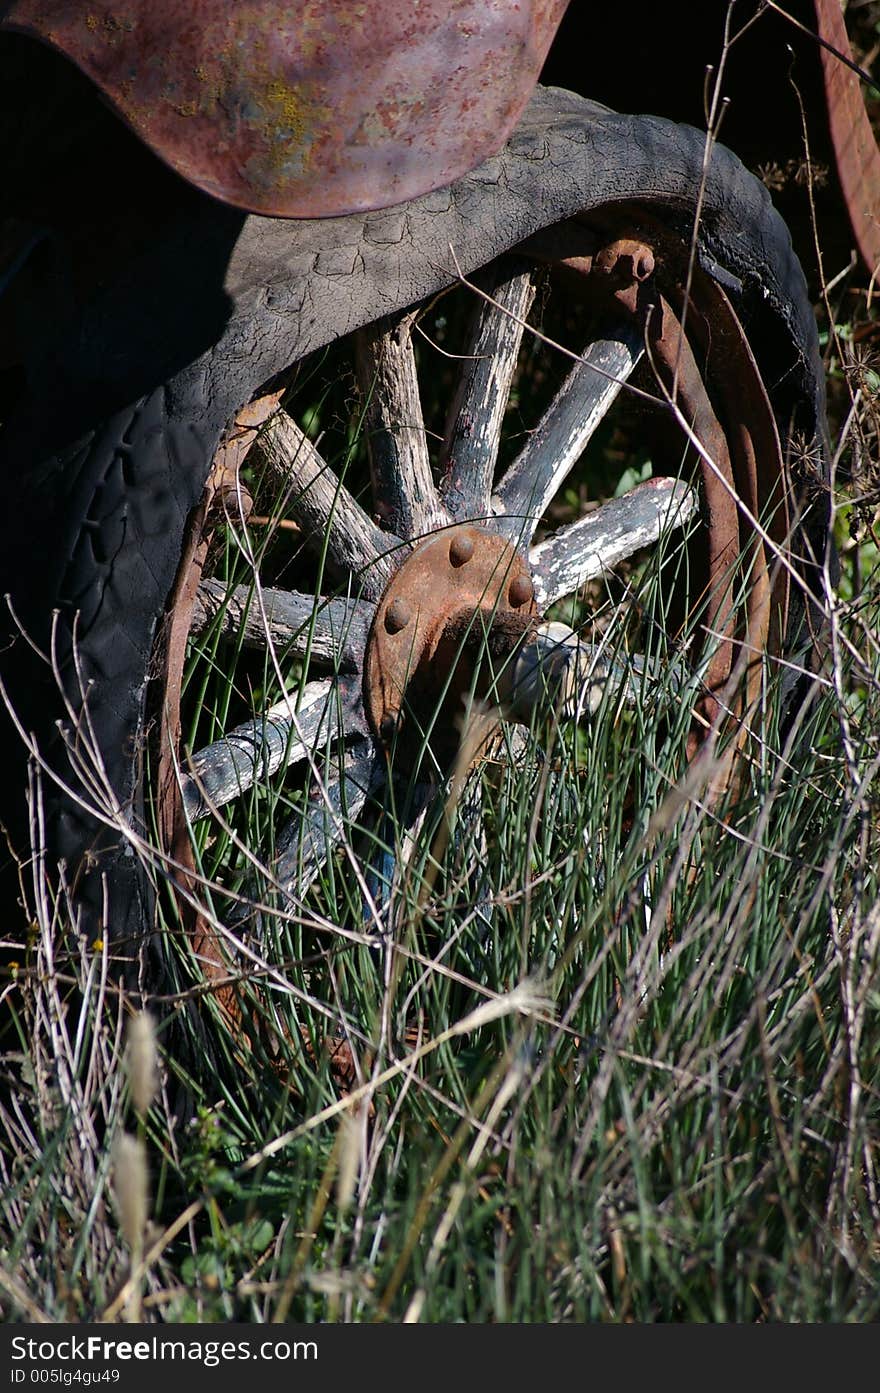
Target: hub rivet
<point x="397" y="616"/>
<point x="461" y="549"/>
<point x="521" y="591"/>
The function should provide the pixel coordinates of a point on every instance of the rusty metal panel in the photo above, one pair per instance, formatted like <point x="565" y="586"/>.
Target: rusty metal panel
<point x="308" y="109"/>
<point x="857" y="157"/>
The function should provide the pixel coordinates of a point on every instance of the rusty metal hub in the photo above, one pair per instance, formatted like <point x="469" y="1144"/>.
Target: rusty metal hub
<point x="464" y="594"/>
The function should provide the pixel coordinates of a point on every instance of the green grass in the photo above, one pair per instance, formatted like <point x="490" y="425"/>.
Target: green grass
<point x="669" y="1114"/>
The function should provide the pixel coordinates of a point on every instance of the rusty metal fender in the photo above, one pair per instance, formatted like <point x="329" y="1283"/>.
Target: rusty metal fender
<point x="308" y="110"/>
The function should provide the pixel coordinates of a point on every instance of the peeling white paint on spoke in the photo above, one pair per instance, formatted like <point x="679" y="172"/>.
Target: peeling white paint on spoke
<point x="329" y="631"/>
<point x="562" y="434"/>
<point x="405" y="497"/>
<point x="476" y="416"/>
<point x="568" y="558"/>
<point x="329" y="817"/>
<point x="562" y="672"/>
<point x="256" y="749"/>
<point x="325" y="508"/>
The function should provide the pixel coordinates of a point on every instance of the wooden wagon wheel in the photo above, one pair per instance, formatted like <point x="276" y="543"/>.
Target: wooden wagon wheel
<point x="435" y="588"/>
<point x="180" y="352"/>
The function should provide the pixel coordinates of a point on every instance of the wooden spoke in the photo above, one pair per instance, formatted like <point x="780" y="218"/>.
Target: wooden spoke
<point x="564" y="431"/>
<point x="404" y="494"/>
<point x="595" y="543"/>
<point x="331" y="633"/>
<point x="396" y="844"/>
<point x="307" y="840"/>
<point x="473" y="429"/>
<point x="563" y="672"/>
<point x="254" y="750"/>
<point x="471" y="850"/>
<point x="326" y="509"/>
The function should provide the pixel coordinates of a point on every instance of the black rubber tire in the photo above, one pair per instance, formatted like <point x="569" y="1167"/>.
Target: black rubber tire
<point x="162" y="312"/>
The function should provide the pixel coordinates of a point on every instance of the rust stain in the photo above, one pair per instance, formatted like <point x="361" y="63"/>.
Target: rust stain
<point x="855" y="149"/>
